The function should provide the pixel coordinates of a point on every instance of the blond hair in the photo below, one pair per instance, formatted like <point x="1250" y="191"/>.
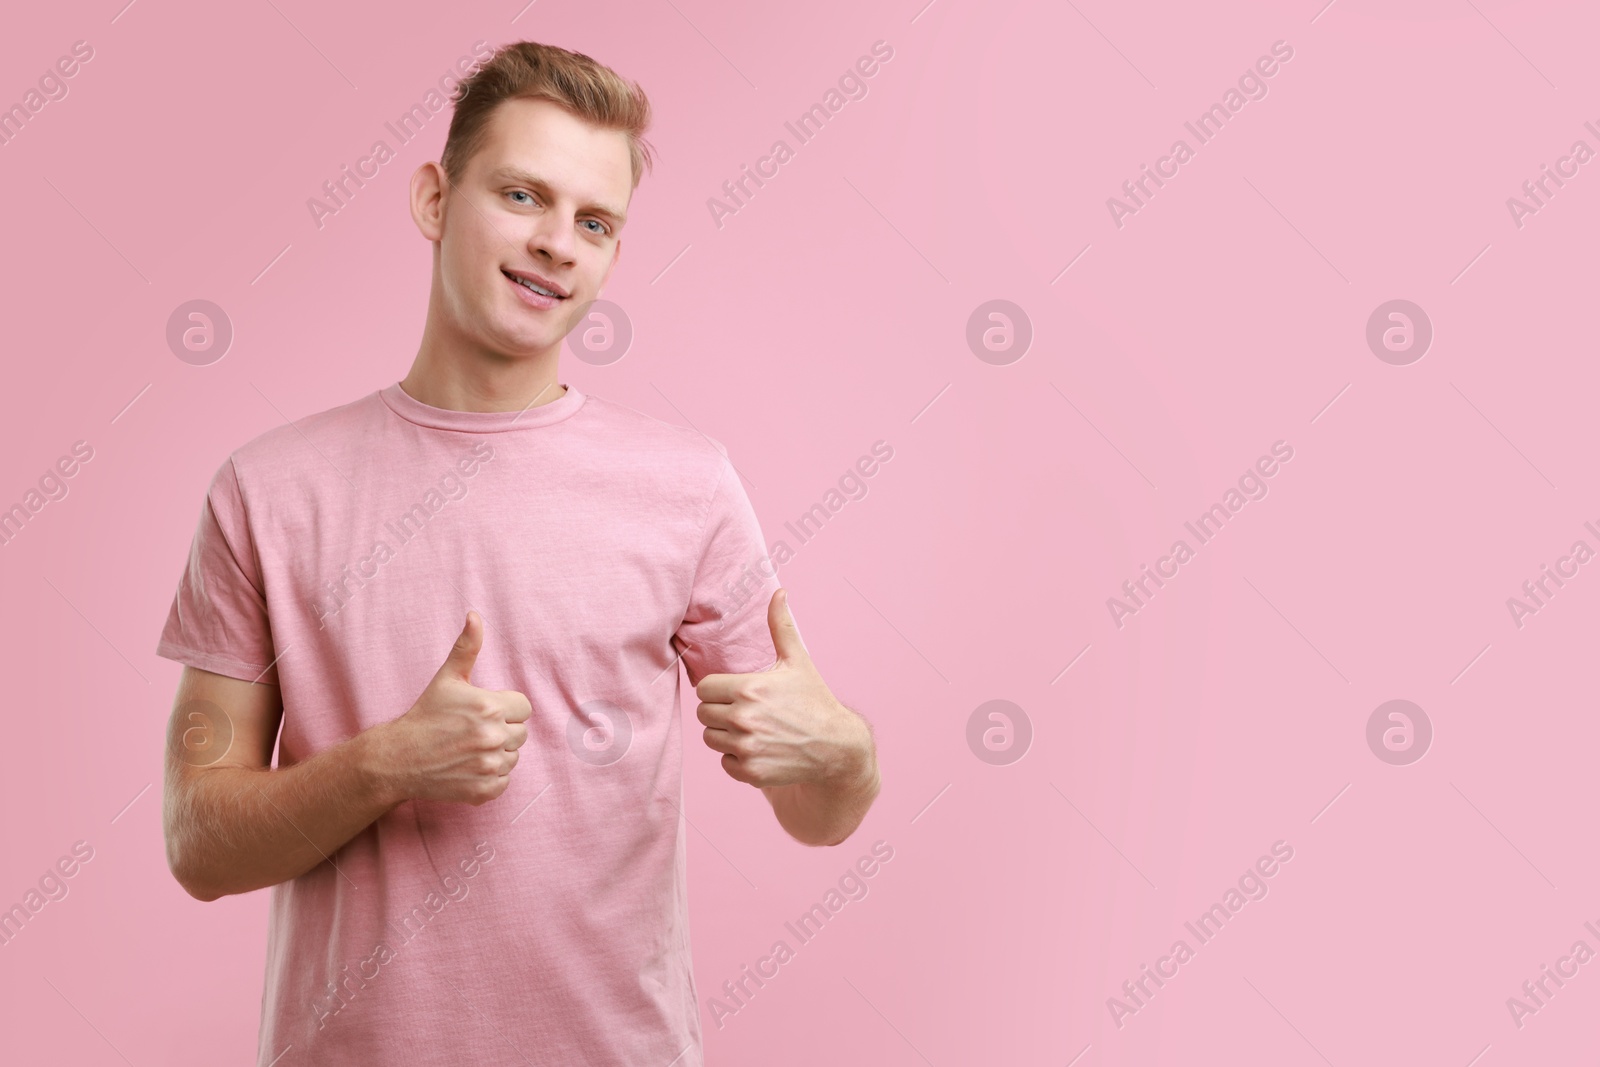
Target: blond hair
<point x="528" y="70"/>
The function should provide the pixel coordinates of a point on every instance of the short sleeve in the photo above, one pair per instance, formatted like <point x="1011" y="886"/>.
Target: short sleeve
<point x="218" y="621"/>
<point x="724" y="630"/>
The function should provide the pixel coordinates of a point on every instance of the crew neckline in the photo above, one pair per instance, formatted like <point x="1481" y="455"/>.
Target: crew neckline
<point x="413" y="410"/>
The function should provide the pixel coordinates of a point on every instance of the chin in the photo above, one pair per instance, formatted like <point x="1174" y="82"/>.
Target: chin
<point x="520" y="338"/>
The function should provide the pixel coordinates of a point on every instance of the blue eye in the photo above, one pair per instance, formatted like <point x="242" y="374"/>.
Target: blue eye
<point x="601" y="232"/>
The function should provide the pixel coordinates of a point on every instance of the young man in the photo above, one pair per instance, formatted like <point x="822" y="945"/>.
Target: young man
<point x="490" y="872"/>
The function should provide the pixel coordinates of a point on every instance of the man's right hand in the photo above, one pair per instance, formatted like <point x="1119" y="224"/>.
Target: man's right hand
<point x="458" y="742"/>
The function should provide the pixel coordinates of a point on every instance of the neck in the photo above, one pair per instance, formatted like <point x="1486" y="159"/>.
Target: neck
<point x="464" y="377"/>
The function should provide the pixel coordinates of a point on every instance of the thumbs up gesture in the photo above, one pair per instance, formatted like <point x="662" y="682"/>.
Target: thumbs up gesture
<point x="457" y="742"/>
<point x="782" y="726"/>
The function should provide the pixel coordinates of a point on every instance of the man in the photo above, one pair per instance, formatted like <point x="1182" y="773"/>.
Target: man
<point x="434" y="901"/>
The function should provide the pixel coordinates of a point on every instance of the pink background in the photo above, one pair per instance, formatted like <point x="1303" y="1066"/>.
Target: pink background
<point x="824" y="316"/>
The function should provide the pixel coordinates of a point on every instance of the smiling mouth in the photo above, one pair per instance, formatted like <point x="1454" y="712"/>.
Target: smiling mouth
<point x="541" y="290"/>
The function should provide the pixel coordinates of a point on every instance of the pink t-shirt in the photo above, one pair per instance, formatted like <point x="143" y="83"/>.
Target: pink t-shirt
<point x="337" y="558"/>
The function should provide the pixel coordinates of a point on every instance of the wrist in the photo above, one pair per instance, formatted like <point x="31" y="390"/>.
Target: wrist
<point x="857" y="771"/>
<point x="374" y="756"/>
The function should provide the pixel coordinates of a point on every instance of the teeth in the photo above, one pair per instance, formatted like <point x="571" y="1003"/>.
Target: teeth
<point x="524" y="282"/>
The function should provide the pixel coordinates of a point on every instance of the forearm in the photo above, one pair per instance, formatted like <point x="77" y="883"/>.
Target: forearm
<point x="827" y="812"/>
<point x="238" y="829"/>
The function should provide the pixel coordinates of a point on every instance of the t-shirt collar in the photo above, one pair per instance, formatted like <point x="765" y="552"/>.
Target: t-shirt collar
<point x="413" y="410"/>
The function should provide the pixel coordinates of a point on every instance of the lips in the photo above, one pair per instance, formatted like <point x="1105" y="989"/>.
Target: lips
<point x="542" y="282"/>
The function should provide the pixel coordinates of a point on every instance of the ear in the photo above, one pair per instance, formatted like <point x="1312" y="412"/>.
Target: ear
<point x="428" y="195"/>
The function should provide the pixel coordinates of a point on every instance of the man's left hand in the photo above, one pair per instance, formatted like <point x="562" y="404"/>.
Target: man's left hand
<point x="782" y="726"/>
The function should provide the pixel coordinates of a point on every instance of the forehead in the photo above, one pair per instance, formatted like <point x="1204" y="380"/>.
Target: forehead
<point x="541" y="138"/>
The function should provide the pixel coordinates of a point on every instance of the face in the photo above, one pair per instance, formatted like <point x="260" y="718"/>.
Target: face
<point x="545" y="199"/>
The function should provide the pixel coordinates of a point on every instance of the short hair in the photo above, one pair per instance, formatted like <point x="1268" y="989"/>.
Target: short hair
<point x="587" y="89"/>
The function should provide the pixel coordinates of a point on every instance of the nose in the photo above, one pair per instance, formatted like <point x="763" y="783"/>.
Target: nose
<point x="552" y="235"/>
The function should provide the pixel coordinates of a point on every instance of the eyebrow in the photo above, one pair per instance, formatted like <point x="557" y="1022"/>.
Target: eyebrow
<point x="517" y="174"/>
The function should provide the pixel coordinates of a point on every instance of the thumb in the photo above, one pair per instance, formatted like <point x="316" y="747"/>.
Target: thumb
<point x="785" y="634"/>
<point x="464" y="653"/>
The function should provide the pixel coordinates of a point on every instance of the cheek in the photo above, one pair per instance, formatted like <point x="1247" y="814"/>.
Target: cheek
<point x="466" y="246"/>
<point x="479" y="283"/>
<point x="575" y="313"/>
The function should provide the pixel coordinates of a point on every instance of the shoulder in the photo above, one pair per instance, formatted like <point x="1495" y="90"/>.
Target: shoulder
<point x="303" y="432"/>
<point x="635" y="431"/>
<point x="279" y="452"/>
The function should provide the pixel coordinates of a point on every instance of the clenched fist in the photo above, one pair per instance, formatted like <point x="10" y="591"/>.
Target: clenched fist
<point x="457" y="742"/>
<point x="783" y="731"/>
<point x="783" y="726"/>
